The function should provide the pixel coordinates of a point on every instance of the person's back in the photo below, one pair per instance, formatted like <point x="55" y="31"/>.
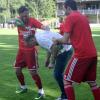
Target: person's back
<point x="81" y="37"/>
<point x="45" y="39"/>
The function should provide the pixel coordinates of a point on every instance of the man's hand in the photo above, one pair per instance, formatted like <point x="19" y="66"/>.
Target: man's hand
<point x="55" y="41"/>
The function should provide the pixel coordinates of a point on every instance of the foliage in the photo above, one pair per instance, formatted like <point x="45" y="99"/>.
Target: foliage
<point x="38" y="8"/>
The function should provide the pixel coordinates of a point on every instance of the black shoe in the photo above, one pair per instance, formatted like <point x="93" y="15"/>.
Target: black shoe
<point x="21" y="90"/>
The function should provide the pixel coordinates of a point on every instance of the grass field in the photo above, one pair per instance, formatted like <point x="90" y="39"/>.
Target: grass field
<point x="8" y="81"/>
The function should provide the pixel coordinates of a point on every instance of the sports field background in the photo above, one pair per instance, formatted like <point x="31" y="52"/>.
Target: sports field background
<point x="9" y="83"/>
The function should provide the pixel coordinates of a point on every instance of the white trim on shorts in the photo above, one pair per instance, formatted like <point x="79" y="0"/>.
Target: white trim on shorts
<point x="72" y="66"/>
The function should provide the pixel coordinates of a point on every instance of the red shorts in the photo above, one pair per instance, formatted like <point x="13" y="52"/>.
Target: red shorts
<point x="26" y="58"/>
<point x="81" y="69"/>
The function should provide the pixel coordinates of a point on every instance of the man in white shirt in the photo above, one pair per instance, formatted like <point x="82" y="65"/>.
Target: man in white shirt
<point x="45" y="40"/>
<point x="61" y="57"/>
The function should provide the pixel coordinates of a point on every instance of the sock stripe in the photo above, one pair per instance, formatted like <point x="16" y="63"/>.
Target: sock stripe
<point x="67" y="86"/>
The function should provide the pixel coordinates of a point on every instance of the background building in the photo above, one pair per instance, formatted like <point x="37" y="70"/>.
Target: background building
<point x="89" y="7"/>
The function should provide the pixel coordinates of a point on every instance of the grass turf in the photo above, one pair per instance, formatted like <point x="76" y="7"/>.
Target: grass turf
<point x="9" y="83"/>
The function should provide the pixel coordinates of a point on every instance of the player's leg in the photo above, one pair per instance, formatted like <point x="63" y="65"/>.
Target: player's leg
<point x="69" y="90"/>
<point x="75" y="72"/>
<point x="91" y="78"/>
<point x="22" y="88"/>
<point x="61" y="61"/>
<point x="95" y="89"/>
<point x="20" y="76"/>
<point x="18" y="70"/>
<point x="32" y="64"/>
<point x="37" y="79"/>
<point x="58" y="74"/>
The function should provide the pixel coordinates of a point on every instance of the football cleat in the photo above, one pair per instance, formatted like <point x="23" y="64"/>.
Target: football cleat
<point x="21" y="90"/>
<point x="40" y="96"/>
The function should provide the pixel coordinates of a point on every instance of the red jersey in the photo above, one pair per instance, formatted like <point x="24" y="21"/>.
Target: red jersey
<point x="33" y="23"/>
<point x="78" y="27"/>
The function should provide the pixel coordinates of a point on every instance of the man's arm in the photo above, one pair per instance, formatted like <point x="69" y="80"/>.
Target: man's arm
<point x="45" y="28"/>
<point x="64" y="40"/>
<point x="54" y="53"/>
<point x="39" y="25"/>
<point x="47" y="61"/>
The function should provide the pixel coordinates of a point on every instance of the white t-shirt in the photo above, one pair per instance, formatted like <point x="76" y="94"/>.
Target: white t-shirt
<point x="44" y="39"/>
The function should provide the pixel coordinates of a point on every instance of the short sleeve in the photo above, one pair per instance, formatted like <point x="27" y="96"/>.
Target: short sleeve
<point x="36" y="23"/>
<point x="68" y="25"/>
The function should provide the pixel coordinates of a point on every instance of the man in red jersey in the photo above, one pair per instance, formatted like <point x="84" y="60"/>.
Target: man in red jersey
<point x="27" y="55"/>
<point x="83" y="64"/>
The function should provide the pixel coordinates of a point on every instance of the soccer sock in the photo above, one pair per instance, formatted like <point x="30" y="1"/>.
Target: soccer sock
<point x="69" y="91"/>
<point x="95" y="90"/>
<point x="21" y="79"/>
<point x="37" y="80"/>
<point x="41" y="91"/>
<point x="96" y="93"/>
<point x="23" y="86"/>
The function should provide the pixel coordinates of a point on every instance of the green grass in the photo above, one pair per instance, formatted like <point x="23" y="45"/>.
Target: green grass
<point x="8" y="81"/>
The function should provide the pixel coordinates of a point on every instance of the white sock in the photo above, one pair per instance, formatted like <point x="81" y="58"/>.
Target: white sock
<point x="23" y="86"/>
<point x="41" y="91"/>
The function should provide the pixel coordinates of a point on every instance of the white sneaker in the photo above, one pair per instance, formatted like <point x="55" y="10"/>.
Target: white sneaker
<point x="41" y="94"/>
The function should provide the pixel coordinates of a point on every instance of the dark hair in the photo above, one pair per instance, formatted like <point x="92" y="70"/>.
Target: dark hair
<point x="22" y="9"/>
<point x="71" y="3"/>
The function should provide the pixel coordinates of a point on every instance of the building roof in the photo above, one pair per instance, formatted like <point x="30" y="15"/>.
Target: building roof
<point x="59" y="1"/>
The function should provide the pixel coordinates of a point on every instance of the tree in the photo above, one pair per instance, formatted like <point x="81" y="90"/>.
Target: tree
<point x="38" y="8"/>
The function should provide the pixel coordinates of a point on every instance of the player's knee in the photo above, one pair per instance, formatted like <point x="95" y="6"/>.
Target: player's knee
<point x="92" y="83"/>
<point x="33" y="72"/>
<point x="67" y="82"/>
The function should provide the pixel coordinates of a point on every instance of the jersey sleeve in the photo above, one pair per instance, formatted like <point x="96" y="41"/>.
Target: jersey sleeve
<point x="68" y="25"/>
<point x="36" y="23"/>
